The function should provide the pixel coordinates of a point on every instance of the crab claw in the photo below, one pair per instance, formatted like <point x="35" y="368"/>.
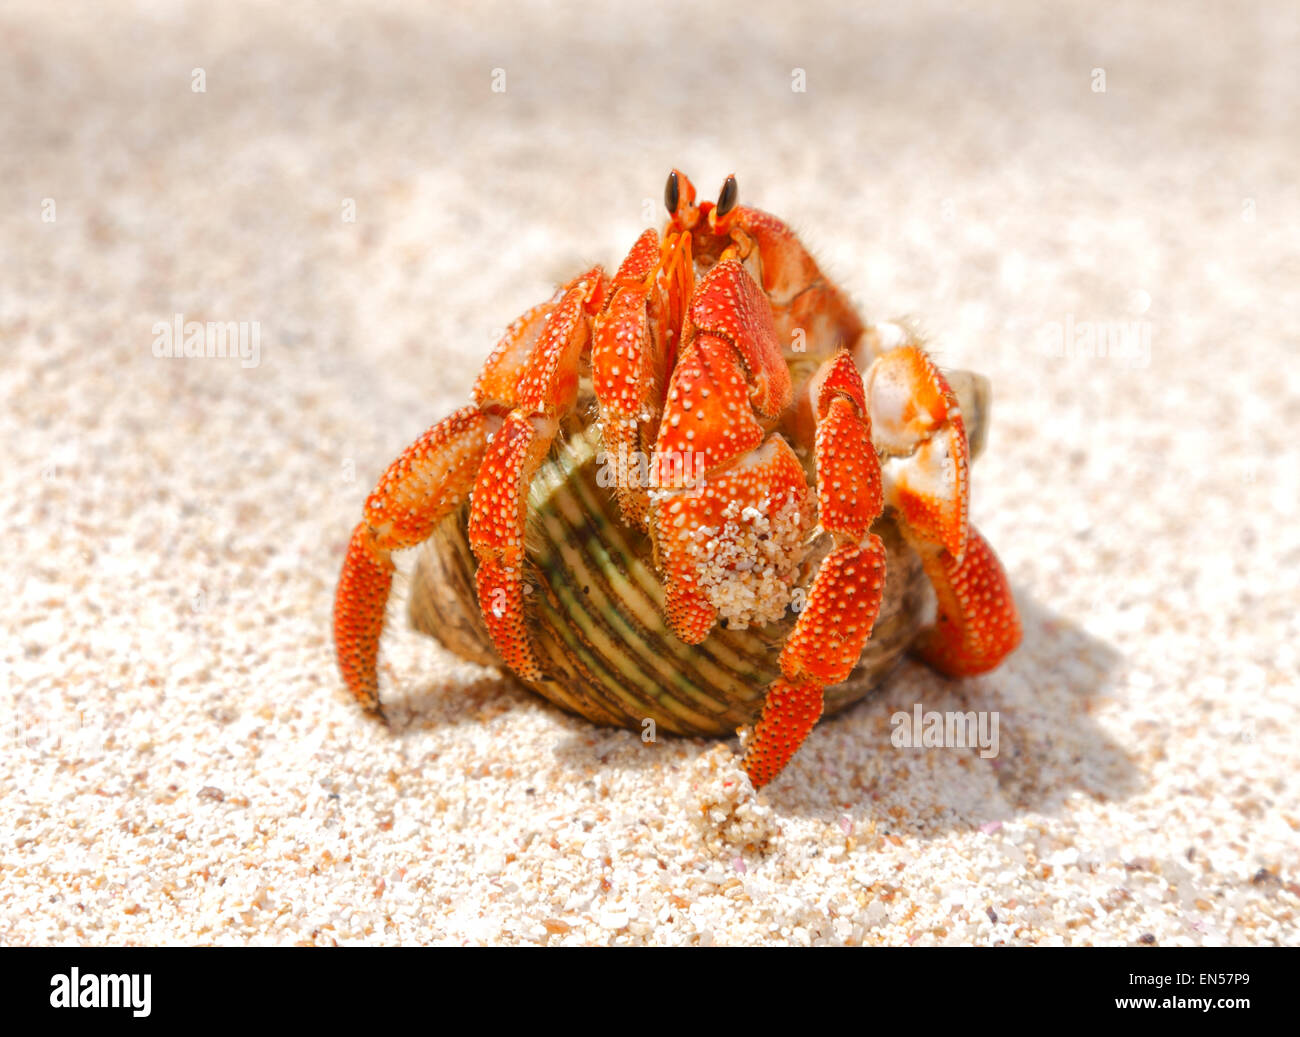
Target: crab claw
<point x="916" y="425"/>
<point x="730" y="378"/>
<point x="704" y="534"/>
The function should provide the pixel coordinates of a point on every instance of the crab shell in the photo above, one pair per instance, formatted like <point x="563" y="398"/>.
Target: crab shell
<point x="596" y="604"/>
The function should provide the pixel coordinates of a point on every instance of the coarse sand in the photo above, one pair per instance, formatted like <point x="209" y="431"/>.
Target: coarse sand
<point x="382" y="187"/>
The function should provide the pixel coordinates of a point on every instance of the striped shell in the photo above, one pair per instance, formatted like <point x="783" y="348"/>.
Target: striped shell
<point x="596" y="606"/>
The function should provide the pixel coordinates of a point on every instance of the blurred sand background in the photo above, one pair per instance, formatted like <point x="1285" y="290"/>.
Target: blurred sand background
<point x="181" y="764"/>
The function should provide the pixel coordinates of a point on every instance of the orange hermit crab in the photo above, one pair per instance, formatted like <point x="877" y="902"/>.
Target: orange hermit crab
<point x="722" y="377"/>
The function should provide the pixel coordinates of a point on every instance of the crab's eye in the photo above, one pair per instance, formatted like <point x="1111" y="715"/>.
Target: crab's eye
<point x="727" y="197"/>
<point x="671" y="193"/>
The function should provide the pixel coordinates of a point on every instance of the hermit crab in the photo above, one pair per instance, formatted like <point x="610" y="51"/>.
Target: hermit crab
<point x="701" y="492"/>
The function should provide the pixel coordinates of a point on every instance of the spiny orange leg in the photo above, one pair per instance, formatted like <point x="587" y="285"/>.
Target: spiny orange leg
<point x="977" y="624"/>
<point x="845" y="596"/>
<point x="542" y="389"/>
<point x="631" y="352"/>
<point x="918" y="426"/>
<point x="497" y="387"/>
<point x="729" y="375"/>
<point x="419" y="489"/>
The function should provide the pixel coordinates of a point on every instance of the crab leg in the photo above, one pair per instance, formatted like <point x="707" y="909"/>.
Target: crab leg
<point x="425" y="484"/>
<point x="629" y="359"/>
<point x="918" y="426"/>
<point x="545" y="390"/>
<point x="497" y="387"/>
<point x="977" y="624"/>
<point x="845" y="597"/>
<point x="419" y="489"/>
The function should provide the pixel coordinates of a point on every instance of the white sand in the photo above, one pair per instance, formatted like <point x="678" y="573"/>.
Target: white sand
<point x="181" y="764"/>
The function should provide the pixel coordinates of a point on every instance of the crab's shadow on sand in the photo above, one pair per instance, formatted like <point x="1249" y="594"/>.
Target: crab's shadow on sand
<point x="1049" y="745"/>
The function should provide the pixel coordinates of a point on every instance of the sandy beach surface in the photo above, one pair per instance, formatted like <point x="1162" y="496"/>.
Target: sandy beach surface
<point x="181" y="763"/>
